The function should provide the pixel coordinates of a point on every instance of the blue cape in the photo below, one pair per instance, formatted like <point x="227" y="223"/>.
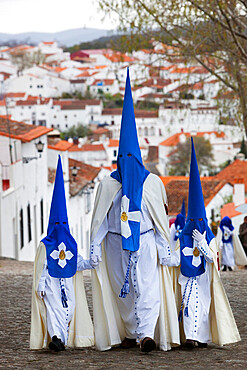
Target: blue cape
<point x="179" y="225"/>
<point x="196" y="219"/>
<point x="130" y="172"/>
<point x="61" y="247"/>
<point x="226" y="221"/>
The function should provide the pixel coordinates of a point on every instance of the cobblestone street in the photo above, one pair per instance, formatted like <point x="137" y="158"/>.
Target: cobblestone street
<point x="15" y="293"/>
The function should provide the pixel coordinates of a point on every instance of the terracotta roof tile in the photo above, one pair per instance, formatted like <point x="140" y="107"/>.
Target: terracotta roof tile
<point x="86" y="174"/>
<point x="174" y="139"/>
<point x="177" y="188"/>
<point x="236" y="169"/>
<point x="21" y="131"/>
<point x="113" y="143"/>
<point x="87" y="148"/>
<point x="138" y="113"/>
<point x="61" y="145"/>
<point x="229" y="210"/>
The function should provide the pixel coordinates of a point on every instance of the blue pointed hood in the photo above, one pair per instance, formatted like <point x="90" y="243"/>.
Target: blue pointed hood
<point x="226" y="236"/>
<point x="196" y="219"/>
<point x="131" y="173"/>
<point x="183" y="211"/>
<point x="61" y="248"/>
<point x="179" y="225"/>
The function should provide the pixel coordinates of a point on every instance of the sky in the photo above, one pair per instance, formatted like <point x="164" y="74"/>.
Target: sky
<point x="19" y="16"/>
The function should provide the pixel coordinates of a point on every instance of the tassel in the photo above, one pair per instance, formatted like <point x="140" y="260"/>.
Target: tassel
<point x="186" y="311"/>
<point x="125" y="290"/>
<point x="126" y="287"/>
<point x="64" y="298"/>
<point x="180" y="316"/>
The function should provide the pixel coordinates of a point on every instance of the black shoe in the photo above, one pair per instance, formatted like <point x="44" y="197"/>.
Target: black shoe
<point x="128" y="343"/>
<point x="188" y="345"/>
<point x="224" y="268"/>
<point x="229" y="268"/>
<point x="148" y="344"/>
<point x="56" y="344"/>
<point x="202" y="345"/>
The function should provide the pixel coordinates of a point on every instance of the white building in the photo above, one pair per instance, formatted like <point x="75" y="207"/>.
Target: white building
<point x="23" y="190"/>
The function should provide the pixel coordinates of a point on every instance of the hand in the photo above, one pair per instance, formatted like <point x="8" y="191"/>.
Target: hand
<point x="94" y="260"/>
<point x="41" y="294"/>
<point x="163" y="261"/>
<point x="198" y="236"/>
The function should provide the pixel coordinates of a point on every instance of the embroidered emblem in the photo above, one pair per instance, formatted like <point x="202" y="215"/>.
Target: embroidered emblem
<point x="62" y="255"/>
<point x="124" y="216"/>
<point x="196" y="252"/>
<point x="127" y="216"/>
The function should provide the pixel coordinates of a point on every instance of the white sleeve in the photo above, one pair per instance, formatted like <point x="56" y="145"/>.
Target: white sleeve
<point x="175" y="255"/>
<point x="163" y="247"/>
<point x="95" y="247"/>
<point x="41" y="286"/>
<point x="83" y="264"/>
<point x="204" y="248"/>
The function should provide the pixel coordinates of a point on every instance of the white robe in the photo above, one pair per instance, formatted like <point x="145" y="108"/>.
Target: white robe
<point x="80" y="328"/>
<point x="114" y="319"/>
<point x="140" y="308"/>
<point x="197" y="297"/>
<point x="172" y="236"/>
<point x="59" y="317"/>
<point x="210" y="317"/>
<point x="232" y="253"/>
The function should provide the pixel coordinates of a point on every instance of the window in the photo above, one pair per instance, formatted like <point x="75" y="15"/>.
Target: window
<point x="29" y="107"/>
<point x="54" y="116"/>
<point x="112" y="122"/>
<point x="88" y="202"/>
<point x="42" y="114"/>
<point x="21" y="229"/>
<point x="91" y="118"/>
<point x="41" y="216"/>
<point x="66" y="125"/>
<point x="41" y="86"/>
<point x="52" y="126"/>
<point x="30" y="86"/>
<point x="29" y="223"/>
<point x="74" y="115"/>
<point x="65" y="117"/>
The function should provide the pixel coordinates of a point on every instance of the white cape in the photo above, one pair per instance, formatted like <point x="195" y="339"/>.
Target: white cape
<point x="239" y="254"/>
<point x="223" y="326"/>
<point x="109" y="328"/>
<point x="81" y="328"/>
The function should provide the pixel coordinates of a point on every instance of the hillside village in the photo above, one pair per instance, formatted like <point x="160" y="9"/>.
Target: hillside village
<point x="45" y="91"/>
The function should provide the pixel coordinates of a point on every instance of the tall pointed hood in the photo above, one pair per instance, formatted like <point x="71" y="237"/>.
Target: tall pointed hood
<point x="131" y="173"/>
<point x="61" y="248"/>
<point x="196" y="219"/>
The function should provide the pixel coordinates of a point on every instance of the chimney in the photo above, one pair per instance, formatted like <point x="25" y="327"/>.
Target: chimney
<point x="239" y="191"/>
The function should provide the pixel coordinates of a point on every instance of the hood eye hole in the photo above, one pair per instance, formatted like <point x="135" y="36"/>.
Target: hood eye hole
<point x="64" y="223"/>
<point x="120" y="155"/>
<point x="56" y="223"/>
<point x="129" y="155"/>
<point x="191" y="219"/>
<point x="200" y="219"/>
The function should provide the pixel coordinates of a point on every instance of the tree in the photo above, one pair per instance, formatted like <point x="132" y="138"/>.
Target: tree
<point x="25" y="60"/>
<point x="210" y="32"/>
<point x="76" y="131"/>
<point x="179" y="160"/>
<point x="243" y="148"/>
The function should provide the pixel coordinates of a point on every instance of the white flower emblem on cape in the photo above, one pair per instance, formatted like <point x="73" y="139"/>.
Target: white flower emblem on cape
<point x="195" y="252"/>
<point x="178" y="231"/>
<point x="227" y="232"/>
<point x="62" y="255"/>
<point x="127" y="216"/>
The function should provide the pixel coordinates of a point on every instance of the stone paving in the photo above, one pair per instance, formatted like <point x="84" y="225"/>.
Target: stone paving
<point x="15" y="305"/>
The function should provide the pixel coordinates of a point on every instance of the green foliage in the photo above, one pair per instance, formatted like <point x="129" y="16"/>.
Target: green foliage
<point x="76" y="131"/>
<point x="110" y="101"/>
<point x="186" y="95"/>
<point x="243" y="148"/>
<point x="147" y="104"/>
<point x="179" y="160"/>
